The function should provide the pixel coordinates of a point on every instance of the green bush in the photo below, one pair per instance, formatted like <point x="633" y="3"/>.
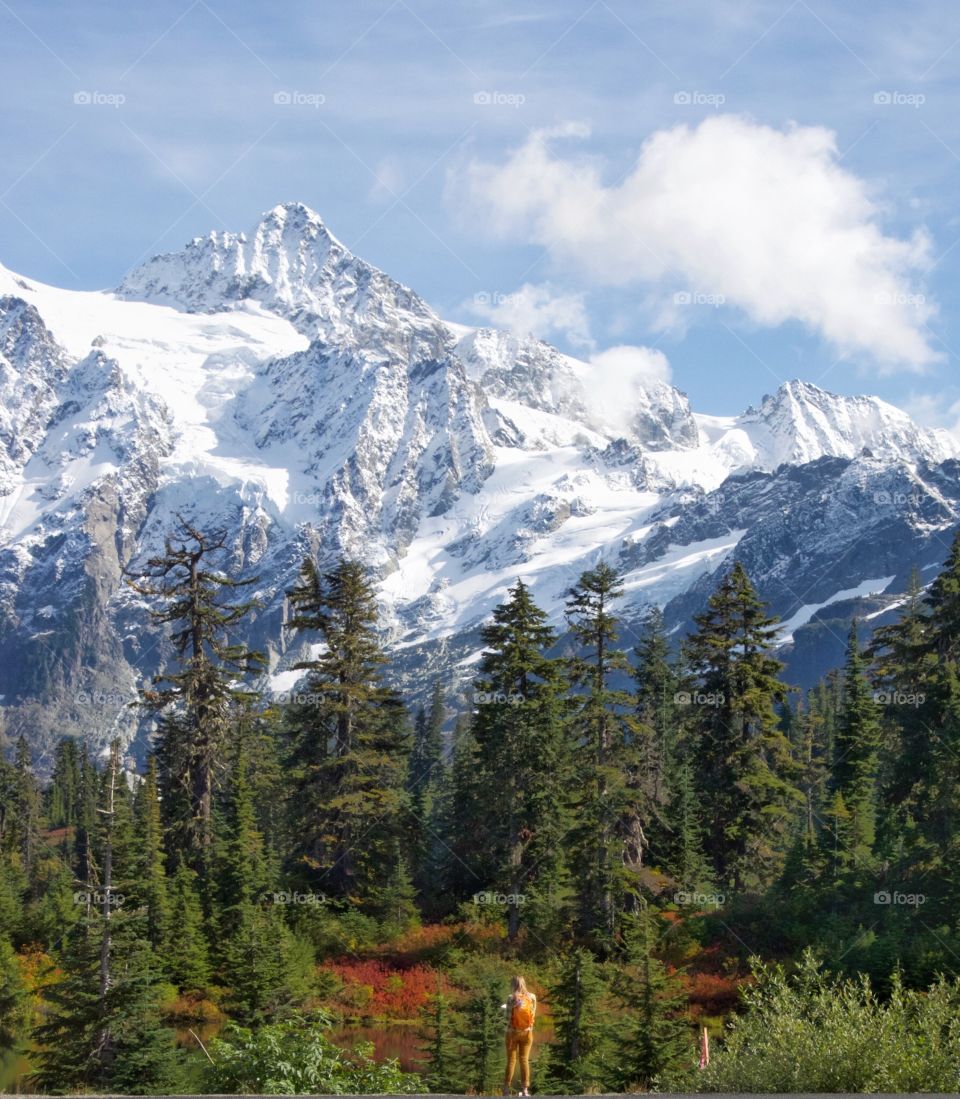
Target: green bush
<point x="812" y="1032"/>
<point x="296" y="1057"/>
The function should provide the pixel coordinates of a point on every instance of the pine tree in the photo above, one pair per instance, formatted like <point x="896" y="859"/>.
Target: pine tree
<point x="196" y="702"/>
<point x="425" y="780"/>
<point x="350" y="740"/>
<point x="64" y="791"/>
<point x="580" y="1059"/>
<point x="522" y="757"/>
<point x="104" y="1032"/>
<point x="254" y="942"/>
<point x="744" y="762"/>
<point x="657" y="1036"/>
<point x="483" y="1038"/>
<point x="615" y="803"/>
<point x="152" y="887"/>
<point x="440" y="1048"/>
<point x="26" y="805"/>
<point x="187" y="960"/>
<point x="856" y="752"/>
<point x="463" y="870"/>
<point x="14" y="1008"/>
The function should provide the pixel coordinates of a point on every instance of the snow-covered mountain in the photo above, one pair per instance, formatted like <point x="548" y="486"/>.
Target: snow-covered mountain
<point x="280" y="387"/>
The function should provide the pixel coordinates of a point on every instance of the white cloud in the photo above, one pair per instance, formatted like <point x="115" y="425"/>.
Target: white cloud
<point x="758" y="218"/>
<point x="535" y="310"/>
<point x="616" y="376"/>
<point x="635" y="365"/>
<point x="938" y="411"/>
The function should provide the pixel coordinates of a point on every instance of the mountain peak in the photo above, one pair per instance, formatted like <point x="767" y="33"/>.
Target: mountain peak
<point x="801" y="422"/>
<point x="286" y="255"/>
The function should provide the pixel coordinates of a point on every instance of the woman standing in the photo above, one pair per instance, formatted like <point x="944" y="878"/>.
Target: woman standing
<point x="521" y="1008"/>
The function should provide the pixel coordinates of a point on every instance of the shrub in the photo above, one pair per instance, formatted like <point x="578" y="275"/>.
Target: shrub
<point x="296" y="1057"/>
<point x="816" y="1033"/>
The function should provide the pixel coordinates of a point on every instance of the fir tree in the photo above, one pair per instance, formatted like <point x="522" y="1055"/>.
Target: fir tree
<point x="580" y="1059"/>
<point x="350" y="740"/>
<point x="856" y="751"/>
<point x="196" y="702"/>
<point x="152" y="887"/>
<point x="442" y="1053"/>
<point x="615" y="803"/>
<point x="105" y="1033"/>
<point x="187" y="960"/>
<point x="522" y="756"/>
<point x="483" y="1038"/>
<point x="657" y="1037"/>
<point x="254" y="942"/>
<point x="63" y="795"/>
<point x="744" y="762"/>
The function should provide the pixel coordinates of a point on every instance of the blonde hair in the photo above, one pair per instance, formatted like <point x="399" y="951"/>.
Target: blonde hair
<point x="518" y="986"/>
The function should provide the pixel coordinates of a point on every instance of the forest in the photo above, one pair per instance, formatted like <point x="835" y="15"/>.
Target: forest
<point x="660" y="833"/>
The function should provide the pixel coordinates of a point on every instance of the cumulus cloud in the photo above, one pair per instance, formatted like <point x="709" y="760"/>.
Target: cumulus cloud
<point x="757" y="218"/>
<point x="535" y="310"/>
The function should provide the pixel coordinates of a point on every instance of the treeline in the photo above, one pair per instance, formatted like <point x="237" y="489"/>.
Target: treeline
<point x="577" y="798"/>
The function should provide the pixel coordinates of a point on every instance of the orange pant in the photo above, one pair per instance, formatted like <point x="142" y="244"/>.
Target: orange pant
<point x="519" y="1043"/>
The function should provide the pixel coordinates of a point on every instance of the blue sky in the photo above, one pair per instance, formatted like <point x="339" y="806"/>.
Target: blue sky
<point x="754" y="190"/>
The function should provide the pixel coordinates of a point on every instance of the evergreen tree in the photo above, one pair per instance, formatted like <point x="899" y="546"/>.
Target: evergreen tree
<point x="350" y="740"/>
<point x="442" y="1054"/>
<point x="744" y="762"/>
<point x="196" y="702"/>
<point x="26" y="805"/>
<point x="64" y="792"/>
<point x="461" y="811"/>
<point x="152" y="886"/>
<point x="856" y="752"/>
<point x="254" y="942"/>
<point x="104" y="1032"/>
<point x="425" y="780"/>
<point x="579" y="1061"/>
<point x="188" y="960"/>
<point x="14" y="1010"/>
<point x="483" y="1038"/>
<point x="522" y="758"/>
<point x="616" y="800"/>
<point x="657" y="1037"/>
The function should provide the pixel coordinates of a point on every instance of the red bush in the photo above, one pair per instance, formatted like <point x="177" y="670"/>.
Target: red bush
<point x="383" y="991"/>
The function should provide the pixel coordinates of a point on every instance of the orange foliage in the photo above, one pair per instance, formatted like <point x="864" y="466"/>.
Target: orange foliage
<point x="374" y="988"/>
<point x="712" y="992"/>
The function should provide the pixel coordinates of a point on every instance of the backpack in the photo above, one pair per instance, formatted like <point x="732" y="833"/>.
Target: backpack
<point x="521" y="1014"/>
